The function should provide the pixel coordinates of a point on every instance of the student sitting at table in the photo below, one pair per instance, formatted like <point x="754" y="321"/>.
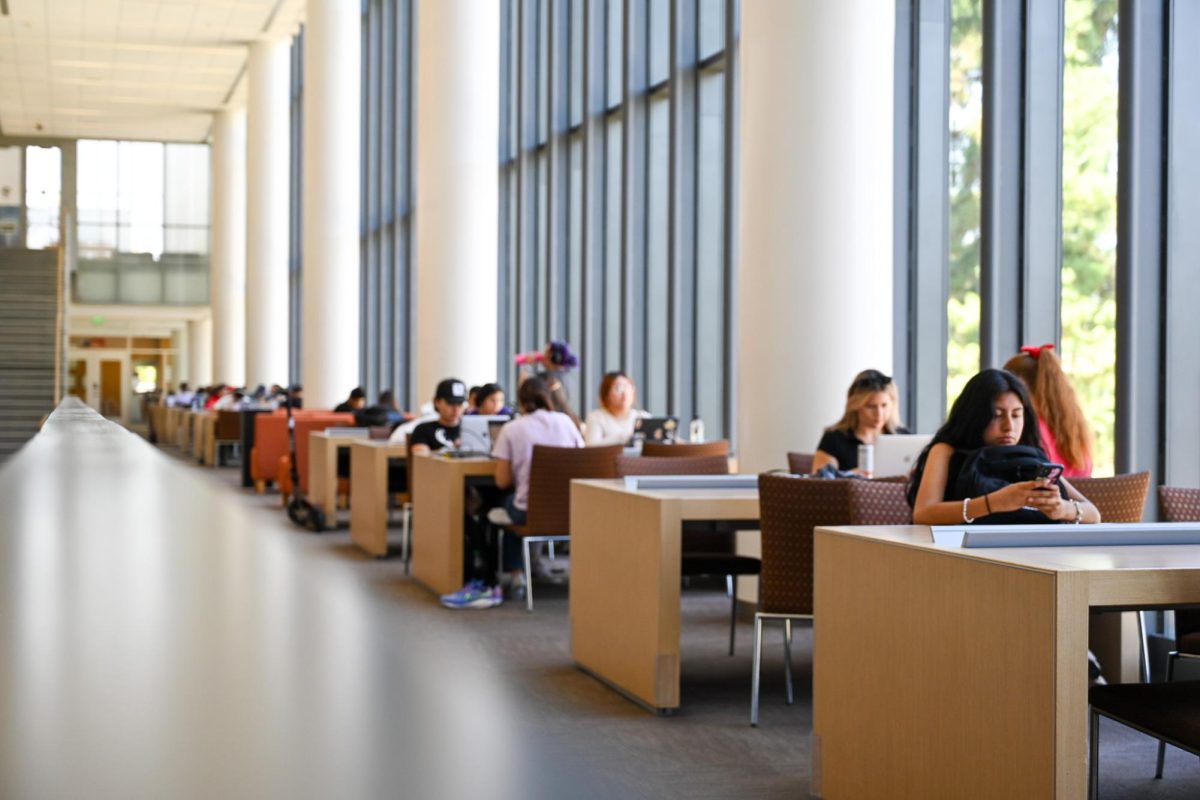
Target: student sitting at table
<point x="993" y="409"/>
<point x="489" y="401"/>
<point x="1066" y="437"/>
<point x="513" y="451"/>
<point x="872" y="408"/>
<point x="356" y="401"/>
<point x="613" y="422"/>
<point x="446" y="430"/>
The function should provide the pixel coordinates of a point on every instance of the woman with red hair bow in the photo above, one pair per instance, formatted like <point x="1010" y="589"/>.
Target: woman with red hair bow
<point x="1066" y="437"/>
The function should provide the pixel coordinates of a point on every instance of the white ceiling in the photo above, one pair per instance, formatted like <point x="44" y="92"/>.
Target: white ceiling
<point x="128" y="69"/>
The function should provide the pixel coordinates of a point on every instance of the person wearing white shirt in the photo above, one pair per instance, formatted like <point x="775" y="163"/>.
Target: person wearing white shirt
<point x="614" y="420"/>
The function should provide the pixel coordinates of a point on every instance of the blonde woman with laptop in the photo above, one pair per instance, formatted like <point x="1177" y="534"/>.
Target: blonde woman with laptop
<point x="872" y="408"/>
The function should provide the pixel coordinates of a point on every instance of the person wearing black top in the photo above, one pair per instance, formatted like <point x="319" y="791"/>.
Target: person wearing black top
<point x="446" y="430"/>
<point x="872" y="408"/>
<point x="356" y="400"/>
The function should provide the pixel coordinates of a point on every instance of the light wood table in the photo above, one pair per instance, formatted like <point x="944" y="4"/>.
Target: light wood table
<point x="323" y="450"/>
<point x="974" y="683"/>
<point x="369" y="490"/>
<point x="170" y="431"/>
<point x="438" y="491"/>
<point x="205" y="447"/>
<point x="625" y="574"/>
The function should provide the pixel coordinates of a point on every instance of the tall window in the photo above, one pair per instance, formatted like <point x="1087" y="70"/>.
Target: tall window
<point x="1090" y="213"/>
<point x="143" y="222"/>
<point x="43" y="196"/>
<point x="966" y="140"/>
<point x="386" y="202"/>
<point x="613" y="187"/>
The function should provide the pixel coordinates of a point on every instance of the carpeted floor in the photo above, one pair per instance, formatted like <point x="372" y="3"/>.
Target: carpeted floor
<point x="582" y="739"/>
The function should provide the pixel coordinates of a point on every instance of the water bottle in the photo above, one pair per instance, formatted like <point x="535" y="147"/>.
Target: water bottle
<point x="866" y="460"/>
<point x="696" y="430"/>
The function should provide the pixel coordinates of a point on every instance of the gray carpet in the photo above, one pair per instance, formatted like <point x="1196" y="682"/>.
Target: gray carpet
<point x="582" y="739"/>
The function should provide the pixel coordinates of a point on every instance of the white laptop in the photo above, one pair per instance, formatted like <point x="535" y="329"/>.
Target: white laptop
<point x="476" y="432"/>
<point x="896" y="454"/>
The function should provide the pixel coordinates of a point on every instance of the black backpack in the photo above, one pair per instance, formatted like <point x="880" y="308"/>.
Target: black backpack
<point x="990" y="468"/>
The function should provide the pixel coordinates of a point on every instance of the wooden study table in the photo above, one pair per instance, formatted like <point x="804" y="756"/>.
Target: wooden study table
<point x="626" y="552"/>
<point x="323" y="451"/>
<point x="438" y="490"/>
<point x="948" y="672"/>
<point x="369" y="490"/>
<point x="205" y="426"/>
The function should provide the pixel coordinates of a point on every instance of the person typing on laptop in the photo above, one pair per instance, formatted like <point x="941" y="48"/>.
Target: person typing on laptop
<point x="872" y="408"/>
<point x="445" y="431"/>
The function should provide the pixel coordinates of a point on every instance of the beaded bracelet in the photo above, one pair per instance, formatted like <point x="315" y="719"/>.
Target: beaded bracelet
<point x="967" y="519"/>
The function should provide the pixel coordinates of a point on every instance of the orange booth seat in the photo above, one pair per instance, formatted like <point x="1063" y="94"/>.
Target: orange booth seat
<point x="306" y="424"/>
<point x="271" y="441"/>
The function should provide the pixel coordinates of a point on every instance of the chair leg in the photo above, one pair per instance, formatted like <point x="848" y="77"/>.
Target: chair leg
<point x="406" y="536"/>
<point x="787" y="659"/>
<point x="756" y="670"/>
<point x="731" y="587"/>
<point x="1144" y="647"/>
<point x="528" y="577"/>
<point x="1094" y="757"/>
<point x="1162" y="746"/>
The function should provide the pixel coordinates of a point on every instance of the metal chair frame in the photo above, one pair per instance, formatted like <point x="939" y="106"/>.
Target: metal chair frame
<point x="759" y="618"/>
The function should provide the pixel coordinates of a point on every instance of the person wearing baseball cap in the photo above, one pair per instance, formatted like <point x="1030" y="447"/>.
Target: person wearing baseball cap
<point x="445" y="431"/>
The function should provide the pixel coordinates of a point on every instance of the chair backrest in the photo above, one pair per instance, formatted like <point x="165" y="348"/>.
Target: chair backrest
<point x="306" y="425"/>
<point x="800" y="463"/>
<point x="1176" y="504"/>
<point x="270" y="444"/>
<point x="686" y="449"/>
<point x="1120" y="498"/>
<point x="228" y="427"/>
<point x="550" y="476"/>
<point x="790" y="508"/>
<point x="650" y="465"/>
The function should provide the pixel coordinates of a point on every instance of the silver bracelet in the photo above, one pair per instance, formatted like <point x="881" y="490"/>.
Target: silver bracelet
<point x="1078" y="512"/>
<point x="967" y="519"/>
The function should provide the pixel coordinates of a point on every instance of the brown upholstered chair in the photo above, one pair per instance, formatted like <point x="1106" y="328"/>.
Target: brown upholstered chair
<point x="1180" y="505"/>
<point x="789" y="509"/>
<point x="685" y="449"/>
<point x="800" y="463"/>
<point x="550" y="476"/>
<point x="226" y="432"/>
<point x="707" y="551"/>
<point x="1120" y="498"/>
<point x="1170" y="712"/>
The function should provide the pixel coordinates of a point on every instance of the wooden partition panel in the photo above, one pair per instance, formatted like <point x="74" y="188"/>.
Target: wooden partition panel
<point x="968" y="648"/>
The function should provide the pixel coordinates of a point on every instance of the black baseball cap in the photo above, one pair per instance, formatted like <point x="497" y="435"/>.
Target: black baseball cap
<point x="452" y="390"/>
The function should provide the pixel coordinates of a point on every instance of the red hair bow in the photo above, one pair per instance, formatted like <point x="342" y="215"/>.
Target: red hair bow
<point x="1034" y="350"/>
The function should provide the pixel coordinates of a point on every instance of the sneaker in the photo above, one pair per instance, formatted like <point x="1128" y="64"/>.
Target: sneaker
<point x="476" y="594"/>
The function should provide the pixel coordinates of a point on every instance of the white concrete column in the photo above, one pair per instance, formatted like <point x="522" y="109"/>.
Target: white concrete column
<point x="181" y="340"/>
<point x="200" y="352"/>
<point x="815" y="216"/>
<point x="227" y="262"/>
<point x="267" y="148"/>
<point x="330" y="329"/>
<point x="457" y="191"/>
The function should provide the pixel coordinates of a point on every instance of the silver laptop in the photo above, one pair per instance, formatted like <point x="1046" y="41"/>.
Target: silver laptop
<point x="896" y="454"/>
<point x="477" y="432"/>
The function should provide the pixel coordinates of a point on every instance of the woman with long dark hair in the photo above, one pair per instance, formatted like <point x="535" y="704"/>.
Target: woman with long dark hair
<point x="993" y="409"/>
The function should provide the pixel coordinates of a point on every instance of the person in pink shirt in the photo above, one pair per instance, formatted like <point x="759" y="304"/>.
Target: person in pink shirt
<point x="1066" y="436"/>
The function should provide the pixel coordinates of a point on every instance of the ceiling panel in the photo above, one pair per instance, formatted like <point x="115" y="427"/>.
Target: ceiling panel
<point x="137" y="69"/>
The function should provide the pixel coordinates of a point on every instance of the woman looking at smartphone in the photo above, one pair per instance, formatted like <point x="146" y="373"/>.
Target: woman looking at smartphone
<point x="993" y="409"/>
